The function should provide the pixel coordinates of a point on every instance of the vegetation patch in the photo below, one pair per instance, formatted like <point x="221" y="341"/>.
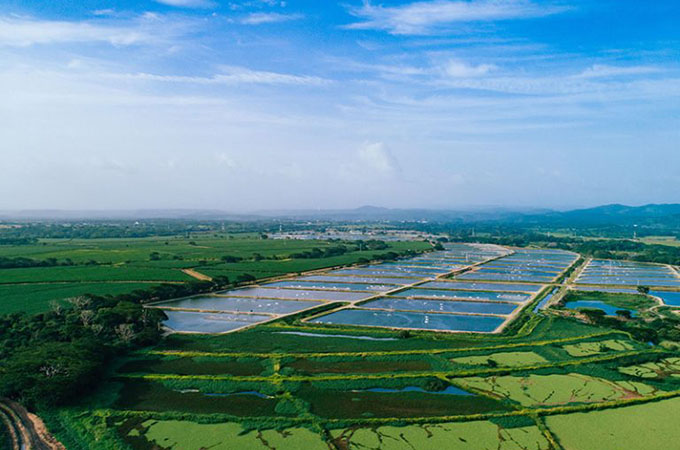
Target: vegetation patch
<point x="478" y="435"/>
<point x="317" y="366"/>
<point x="555" y="389"/>
<point x="659" y="369"/>
<point x="597" y="347"/>
<point x="193" y="366"/>
<point x="187" y="435"/>
<point x="502" y="359"/>
<point x="330" y="403"/>
<point x="144" y="395"/>
<point x="649" y="426"/>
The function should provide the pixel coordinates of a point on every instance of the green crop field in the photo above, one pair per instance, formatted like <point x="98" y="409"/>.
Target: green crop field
<point x="652" y="426"/>
<point x="507" y="359"/>
<point x="120" y="266"/>
<point x="37" y="297"/>
<point x="597" y="347"/>
<point x="479" y="435"/>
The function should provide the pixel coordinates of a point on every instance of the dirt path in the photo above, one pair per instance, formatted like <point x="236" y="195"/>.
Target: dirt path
<point x="28" y="432"/>
<point x="197" y="275"/>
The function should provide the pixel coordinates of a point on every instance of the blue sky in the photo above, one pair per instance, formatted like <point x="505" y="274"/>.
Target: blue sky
<point x="260" y="104"/>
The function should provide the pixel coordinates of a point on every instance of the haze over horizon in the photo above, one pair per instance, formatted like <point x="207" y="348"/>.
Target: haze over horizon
<point x="208" y="104"/>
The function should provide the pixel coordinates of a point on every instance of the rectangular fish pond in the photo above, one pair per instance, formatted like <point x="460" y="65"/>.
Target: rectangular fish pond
<point x="446" y="306"/>
<point x="213" y="303"/>
<point x="294" y="294"/>
<point x="198" y="322"/>
<point x="416" y="320"/>
<point x="418" y="292"/>
<point x="327" y="285"/>
<point x="472" y="285"/>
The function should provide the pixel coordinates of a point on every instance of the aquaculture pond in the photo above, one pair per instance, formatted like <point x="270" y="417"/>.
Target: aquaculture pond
<point x="446" y="306"/>
<point x="197" y="322"/>
<point x="417" y="320"/>
<point x="669" y="298"/>
<point x="628" y="273"/>
<point x="333" y="286"/>
<point x="383" y="273"/>
<point x="472" y="285"/>
<point x="235" y="304"/>
<point x="608" y="309"/>
<point x="293" y="294"/>
<point x="475" y="295"/>
<point x="356" y="279"/>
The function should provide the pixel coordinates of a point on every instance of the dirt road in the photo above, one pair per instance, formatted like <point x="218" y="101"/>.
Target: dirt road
<point x="27" y="431"/>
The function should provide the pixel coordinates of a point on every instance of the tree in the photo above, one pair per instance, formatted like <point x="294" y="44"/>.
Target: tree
<point x="643" y="289"/>
<point x="125" y="332"/>
<point x="623" y="314"/>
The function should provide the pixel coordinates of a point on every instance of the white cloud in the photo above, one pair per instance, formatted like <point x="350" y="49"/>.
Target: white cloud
<point x="232" y="75"/>
<point x="603" y="70"/>
<point x="104" y="12"/>
<point x="225" y="160"/>
<point x="377" y="157"/>
<point x="427" y="16"/>
<point x="460" y="69"/>
<point x="261" y="17"/>
<point x="188" y="3"/>
<point x="22" y="32"/>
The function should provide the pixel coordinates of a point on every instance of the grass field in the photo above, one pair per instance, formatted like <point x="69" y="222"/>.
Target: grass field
<point x="183" y="435"/>
<point x="37" y="297"/>
<point x="659" y="369"/>
<point x="478" y="435"/>
<point x="119" y="266"/>
<point x="597" y="347"/>
<point x="557" y="389"/>
<point x="652" y="426"/>
<point x="504" y="359"/>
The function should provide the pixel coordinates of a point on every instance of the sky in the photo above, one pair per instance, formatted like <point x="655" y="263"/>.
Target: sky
<point x="248" y="105"/>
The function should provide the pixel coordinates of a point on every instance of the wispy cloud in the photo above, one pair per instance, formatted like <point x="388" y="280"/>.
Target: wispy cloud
<point x="603" y="71"/>
<point x="232" y="75"/>
<point x="428" y="16"/>
<point x="22" y="32"/>
<point x="262" y="17"/>
<point x="147" y="28"/>
<point x="460" y="69"/>
<point x="188" y="3"/>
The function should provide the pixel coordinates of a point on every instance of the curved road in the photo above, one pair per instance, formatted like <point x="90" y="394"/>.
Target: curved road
<point x="26" y="430"/>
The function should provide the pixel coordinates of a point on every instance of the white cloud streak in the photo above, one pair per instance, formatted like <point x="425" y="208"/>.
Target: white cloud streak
<point x="232" y="75"/>
<point x="23" y="32"/>
<point x="260" y="18"/>
<point x="188" y="3"/>
<point x="428" y="16"/>
<point x="603" y="71"/>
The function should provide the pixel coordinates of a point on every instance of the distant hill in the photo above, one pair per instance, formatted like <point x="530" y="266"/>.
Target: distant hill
<point x="667" y="215"/>
<point x="612" y="215"/>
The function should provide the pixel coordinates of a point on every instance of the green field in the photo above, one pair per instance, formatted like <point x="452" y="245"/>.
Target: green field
<point x="120" y="266"/>
<point x="479" y="435"/>
<point x="597" y="347"/>
<point x="558" y="389"/>
<point x="507" y="359"/>
<point x="652" y="426"/>
<point x="37" y="297"/>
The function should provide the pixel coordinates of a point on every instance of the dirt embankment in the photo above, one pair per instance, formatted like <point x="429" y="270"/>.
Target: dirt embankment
<point x="197" y="275"/>
<point x="27" y="431"/>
